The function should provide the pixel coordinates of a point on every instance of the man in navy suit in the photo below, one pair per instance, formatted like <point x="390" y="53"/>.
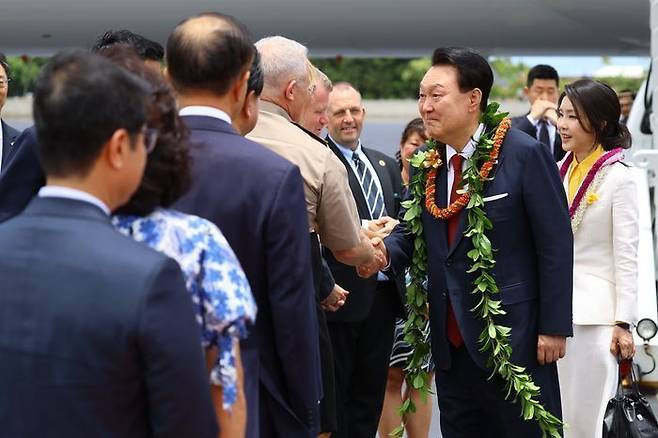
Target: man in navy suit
<point x="7" y="133"/>
<point x="97" y="332"/>
<point x="256" y="197"/>
<point x="542" y="91"/>
<point x="362" y="330"/>
<point x="533" y="244"/>
<point x="22" y="175"/>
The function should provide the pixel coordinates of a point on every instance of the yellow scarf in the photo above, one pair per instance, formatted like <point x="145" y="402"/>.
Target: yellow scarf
<point x="578" y="171"/>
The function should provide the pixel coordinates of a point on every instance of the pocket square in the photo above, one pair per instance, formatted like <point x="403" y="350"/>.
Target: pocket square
<point x="494" y="197"/>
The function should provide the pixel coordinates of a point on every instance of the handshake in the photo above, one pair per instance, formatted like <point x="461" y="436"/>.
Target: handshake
<point x="374" y="232"/>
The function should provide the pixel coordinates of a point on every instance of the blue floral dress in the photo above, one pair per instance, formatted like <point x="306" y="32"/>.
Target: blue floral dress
<point x="220" y="292"/>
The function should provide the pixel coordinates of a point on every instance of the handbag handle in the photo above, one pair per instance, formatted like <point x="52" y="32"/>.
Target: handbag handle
<point x="634" y="381"/>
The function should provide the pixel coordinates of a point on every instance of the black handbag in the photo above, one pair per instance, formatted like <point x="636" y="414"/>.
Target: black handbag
<point x="628" y="414"/>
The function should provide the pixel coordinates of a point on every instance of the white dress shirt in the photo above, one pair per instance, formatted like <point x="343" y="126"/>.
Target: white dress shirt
<point x="69" y="193"/>
<point x="552" y="131"/>
<point x="208" y="111"/>
<point x="348" y="153"/>
<point x="467" y="153"/>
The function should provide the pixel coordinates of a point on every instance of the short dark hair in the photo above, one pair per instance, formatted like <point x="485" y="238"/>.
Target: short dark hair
<point x="627" y="91"/>
<point x="256" y="77"/>
<point x="597" y="103"/>
<point x="473" y="71"/>
<point x="415" y="126"/>
<point x="167" y="172"/>
<point x="5" y="64"/>
<point x="145" y="48"/>
<point x="212" y="61"/>
<point x="80" y="100"/>
<point x="542" y="71"/>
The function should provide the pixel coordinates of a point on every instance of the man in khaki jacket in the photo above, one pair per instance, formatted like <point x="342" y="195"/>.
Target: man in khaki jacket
<point x="331" y="208"/>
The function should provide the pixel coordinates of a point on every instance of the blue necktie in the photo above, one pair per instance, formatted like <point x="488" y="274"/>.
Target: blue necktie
<point x="371" y="190"/>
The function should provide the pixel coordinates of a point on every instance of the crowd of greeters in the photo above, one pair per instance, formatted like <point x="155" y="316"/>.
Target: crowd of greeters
<point x="182" y="254"/>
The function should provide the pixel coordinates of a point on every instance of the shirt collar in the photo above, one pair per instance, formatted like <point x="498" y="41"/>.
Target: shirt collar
<point x="208" y="111"/>
<point x="589" y="160"/>
<point x="348" y="153"/>
<point x="469" y="149"/>
<point x="535" y="122"/>
<point x="69" y="193"/>
<point x="272" y="107"/>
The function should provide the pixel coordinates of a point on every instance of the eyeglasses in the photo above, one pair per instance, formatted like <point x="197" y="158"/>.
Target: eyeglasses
<point x="4" y="82"/>
<point x="150" y="139"/>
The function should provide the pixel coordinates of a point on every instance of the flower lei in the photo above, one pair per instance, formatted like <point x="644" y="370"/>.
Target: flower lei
<point x="494" y="338"/>
<point x="588" y="188"/>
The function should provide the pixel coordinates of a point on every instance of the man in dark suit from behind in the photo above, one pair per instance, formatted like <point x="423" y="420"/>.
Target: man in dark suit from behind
<point x="542" y="91"/>
<point x="362" y="331"/>
<point x="7" y="133"/>
<point x="256" y="197"/>
<point x="97" y="332"/>
<point x="22" y="179"/>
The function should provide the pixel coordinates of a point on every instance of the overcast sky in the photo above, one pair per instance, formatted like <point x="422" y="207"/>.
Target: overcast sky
<point x="580" y="65"/>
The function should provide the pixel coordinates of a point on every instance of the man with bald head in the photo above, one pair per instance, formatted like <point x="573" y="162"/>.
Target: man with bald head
<point x="256" y="197"/>
<point x="362" y="331"/>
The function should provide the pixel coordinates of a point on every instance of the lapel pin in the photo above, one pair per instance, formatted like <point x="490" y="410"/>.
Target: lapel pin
<point x="382" y="163"/>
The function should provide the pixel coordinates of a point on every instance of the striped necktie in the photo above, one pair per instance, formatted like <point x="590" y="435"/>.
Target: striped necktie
<point x="371" y="190"/>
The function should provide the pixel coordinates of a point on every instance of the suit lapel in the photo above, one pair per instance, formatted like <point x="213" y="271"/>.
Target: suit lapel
<point x="355" y="186"/>
<point x="463" y="215"/>
<point x="7" y="143"/>
<point x="441" y="183"/>
<point x="384" y="180"/>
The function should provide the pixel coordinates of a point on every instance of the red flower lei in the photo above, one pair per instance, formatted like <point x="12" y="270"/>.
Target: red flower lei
<point x="462" y="201"/>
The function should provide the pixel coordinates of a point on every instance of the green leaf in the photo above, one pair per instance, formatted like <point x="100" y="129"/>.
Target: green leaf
<point x="418" y="382"/>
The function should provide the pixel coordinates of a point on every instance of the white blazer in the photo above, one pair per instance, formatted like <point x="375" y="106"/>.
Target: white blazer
<point x="605" y="253"/>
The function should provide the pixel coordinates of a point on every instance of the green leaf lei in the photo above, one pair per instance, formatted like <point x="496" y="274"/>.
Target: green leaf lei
<point x="494" y="338"/>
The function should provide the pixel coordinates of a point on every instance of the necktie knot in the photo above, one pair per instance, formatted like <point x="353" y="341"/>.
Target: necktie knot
<point x="356" y="159"/>
<point x="456" y="162"/>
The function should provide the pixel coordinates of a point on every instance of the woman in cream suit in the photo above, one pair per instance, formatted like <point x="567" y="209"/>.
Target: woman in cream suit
<point x="604" y="220"/>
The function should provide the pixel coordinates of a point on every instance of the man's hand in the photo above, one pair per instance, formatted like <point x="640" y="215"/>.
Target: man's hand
<point x="335" y="300"/>
<point x="381" y="227"/>
<point x="380" y="260"/>
<point x="622" y="343"/>
<point x="544" y="109"/>
<point x="550" y="348"/>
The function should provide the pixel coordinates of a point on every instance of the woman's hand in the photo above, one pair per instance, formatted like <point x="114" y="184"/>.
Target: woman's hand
<point x="622" y="344"/>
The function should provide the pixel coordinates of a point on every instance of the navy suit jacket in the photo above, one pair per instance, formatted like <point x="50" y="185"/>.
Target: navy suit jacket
<point x="9" y="136"/>
<point x="256" y="198"/>
<point x="363" y="290"/>
<point x="22" y="177"/>
<point x="523" y="124"/>
<point x="534" y="255"/>
<point x="97" y="332"/>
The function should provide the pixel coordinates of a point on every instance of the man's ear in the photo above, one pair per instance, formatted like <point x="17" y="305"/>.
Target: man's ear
<point x="474" y="99"/>
<point x="289" y="92"/>
<point x="526" y="91"/>
<point x="247" y="107"/>
<point x="240" y="87"/>
<point x="116" y="148"/>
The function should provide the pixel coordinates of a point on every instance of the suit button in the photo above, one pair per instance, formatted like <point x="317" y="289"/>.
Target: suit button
<point x="449" y="262"/>
<point x="445" y="294"/>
